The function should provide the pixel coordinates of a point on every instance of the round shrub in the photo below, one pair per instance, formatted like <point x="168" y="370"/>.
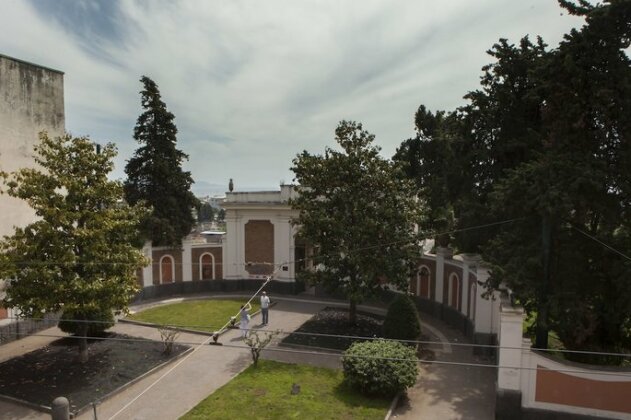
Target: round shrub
<point x="402" y="321"/>
<point x="369" y="367"/>
<point x="104" y="319"/>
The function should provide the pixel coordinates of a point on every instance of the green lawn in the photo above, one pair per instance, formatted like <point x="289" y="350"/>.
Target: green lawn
<point x="203" y="315"/>
<point x="264" y="393"/>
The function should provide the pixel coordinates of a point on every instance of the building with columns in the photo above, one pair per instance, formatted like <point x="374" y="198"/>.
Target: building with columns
<point x="260" y="239"/>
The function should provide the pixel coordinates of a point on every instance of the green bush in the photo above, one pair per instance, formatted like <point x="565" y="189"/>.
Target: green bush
<point x="104" y="319"/>
<point x="366" y="370"/>
<point x="402" y="321"/>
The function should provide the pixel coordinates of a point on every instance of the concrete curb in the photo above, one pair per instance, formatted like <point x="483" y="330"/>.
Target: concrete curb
<point x="322" y="350"/>
<point x="17" y="401"/>
<point x="393" y="405"/>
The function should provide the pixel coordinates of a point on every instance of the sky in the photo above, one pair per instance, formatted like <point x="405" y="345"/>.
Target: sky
<point x="254" y="83"/>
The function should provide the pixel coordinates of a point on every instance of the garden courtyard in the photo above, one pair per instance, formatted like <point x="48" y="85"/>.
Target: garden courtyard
<point x="442" y="391"/>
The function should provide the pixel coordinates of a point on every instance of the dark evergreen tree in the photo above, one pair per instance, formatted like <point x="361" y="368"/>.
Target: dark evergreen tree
<point x="205" y="213"/>
<point x="155" y="175"/>
<point x="402" y="320"/>
<point x="546" y="141"/>
<point x="427" y="159"/>
<point x="578" y="185"/>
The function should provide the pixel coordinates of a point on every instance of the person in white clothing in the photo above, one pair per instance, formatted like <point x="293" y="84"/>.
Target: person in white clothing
<point x="265" y="308"/>
<point x="244" y="317"/>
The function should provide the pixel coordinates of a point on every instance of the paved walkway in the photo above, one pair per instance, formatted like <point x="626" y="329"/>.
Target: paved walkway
<point x="450" y="392"/>
<point x="445" y="392"/>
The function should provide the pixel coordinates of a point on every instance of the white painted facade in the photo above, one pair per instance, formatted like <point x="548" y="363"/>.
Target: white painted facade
<point x="31" y="101"/>
<point x="241" y="207"/>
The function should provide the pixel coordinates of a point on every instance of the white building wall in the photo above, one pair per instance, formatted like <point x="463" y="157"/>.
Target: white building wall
<point x="241" y="207"/>
<point x="31" y="100"/>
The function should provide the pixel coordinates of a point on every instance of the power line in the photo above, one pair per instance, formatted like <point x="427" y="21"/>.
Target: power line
<point x="338" y="355"/>
<point x="600" y="242"/>
<point x="365" y="248"/>
<point x="364" y="338"/>
<point x="182" y="360"/>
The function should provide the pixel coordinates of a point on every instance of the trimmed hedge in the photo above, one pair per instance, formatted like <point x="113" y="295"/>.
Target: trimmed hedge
<point x="380" y="367"/>
<point x="402" y="321"/>
<point x="104" y="319"/>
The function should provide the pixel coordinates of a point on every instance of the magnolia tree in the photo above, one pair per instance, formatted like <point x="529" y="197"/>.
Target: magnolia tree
<point x="78" y="256"/>
<point x="359" y="213"/>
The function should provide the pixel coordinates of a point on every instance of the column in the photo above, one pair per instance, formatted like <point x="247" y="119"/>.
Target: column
<point x="441" y="255"/>
<point x="147" y="271"/>
<point x="231" y="245"/>
<point x="470" y="263"/>
<point x="508" y="397"/>
<point x="282" y="247"/>
<point x="187" y="266"/>
<point x="483" y="306"/>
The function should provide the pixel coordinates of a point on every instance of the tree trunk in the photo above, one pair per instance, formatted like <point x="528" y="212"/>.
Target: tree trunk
<point x="542" y="328"/>
<point x="352" y="312"/>
<point x="83" y="342"/>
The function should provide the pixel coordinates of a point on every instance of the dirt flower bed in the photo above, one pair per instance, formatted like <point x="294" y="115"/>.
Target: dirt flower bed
<point x="42" y="375"/>
<point x="335" y="321"/>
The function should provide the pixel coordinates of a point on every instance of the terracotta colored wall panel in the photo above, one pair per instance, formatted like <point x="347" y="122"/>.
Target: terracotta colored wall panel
<point x="177" y="257"/>
<point x="216" y="252"/>
<point x="449" y="269"/>
<point x="431" y="264"/>
<point x="560" y="388"/>
<point x="259" y="246"/>
<point x="3" y="313"/>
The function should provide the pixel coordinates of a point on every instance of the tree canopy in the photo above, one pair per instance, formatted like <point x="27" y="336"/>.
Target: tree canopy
<point x="155" y="175"/>
<point x="205" y="213"/>
<point x="545" y="142"/>
<point x="359" y="215"/>
<point x="78" y="255"/>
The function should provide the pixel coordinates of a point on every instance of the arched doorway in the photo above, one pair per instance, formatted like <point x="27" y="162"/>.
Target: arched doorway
<point x="207" y="266"/>
<point x="167" y="269"/>
<point x="424" y="282"/>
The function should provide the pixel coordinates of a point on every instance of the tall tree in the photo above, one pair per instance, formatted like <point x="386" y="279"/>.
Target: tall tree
<point x="575" y="181"/>
<point x="578" y="185"/>
<point x="358" y="214"/>
<point x="155" y="175"/>
<point x="427" y="159"/>
<point x="205" y="213"/>
<point x="78" y="256"/>
<point x="545" y="141"/>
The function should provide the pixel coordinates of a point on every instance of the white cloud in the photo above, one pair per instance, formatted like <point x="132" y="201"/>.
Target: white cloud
<point x="254" y="83"/>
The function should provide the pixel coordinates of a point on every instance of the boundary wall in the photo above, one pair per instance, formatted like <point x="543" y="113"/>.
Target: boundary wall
<point x="534" y="385"/>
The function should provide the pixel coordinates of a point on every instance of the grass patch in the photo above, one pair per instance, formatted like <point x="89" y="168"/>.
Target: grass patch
<point x="335" y="321"/>
<point x="202" y="315"/>
<point x="264" y="392"/>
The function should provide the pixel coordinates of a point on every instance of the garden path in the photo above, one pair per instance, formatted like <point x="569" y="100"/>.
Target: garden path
<point x="442" y="391"/>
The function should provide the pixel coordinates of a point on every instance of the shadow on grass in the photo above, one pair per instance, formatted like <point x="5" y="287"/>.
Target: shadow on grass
<point x="346" y="394"/>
